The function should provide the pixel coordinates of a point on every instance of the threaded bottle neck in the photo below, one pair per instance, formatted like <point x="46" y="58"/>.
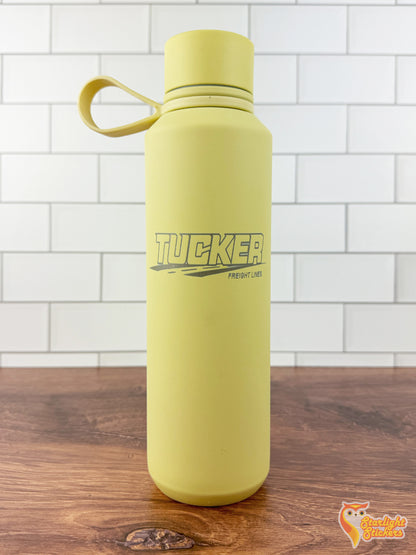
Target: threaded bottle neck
<point x="194" y="96"/>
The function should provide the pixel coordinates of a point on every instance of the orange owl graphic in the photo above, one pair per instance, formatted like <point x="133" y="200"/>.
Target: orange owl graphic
<point x="349" y="519"/>
<point x="358" y="525"/>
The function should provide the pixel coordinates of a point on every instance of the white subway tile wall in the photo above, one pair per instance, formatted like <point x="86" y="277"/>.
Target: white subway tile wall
<point x="50" y="359"/>
<point x="98" y="227"/>
<point x="24" y="29"/>
<point x="406" y="278"/>
<point x="345" y="359"/>
<point x="98" y="326"/>
<point x="52" y="78"/>
<point x="283" y="269"/>
<point x="345" y="178"/>
<point x="24" y="128"/>
<point x="140" y="72"/>
<point x="24" y="227"/>
<point x="382" y="128"/>
<point x="305" y="128"/>
<point x="124" y="277"/>
<point x="284" y="178"/>
<point x="137" y="358"/>
<point x="344" y="277"/>
<point x="70" y="135"/>
<point x="299" y="29"/>
<point x="122" y="178"/>
<point x="49" y="178"/>
<point x="306" y="327"/>
<point x="405" y="359"/>
<point x="347" y="79"/>
<point x="382" y="30"/>
<point x="51" y="277"/>
<point x="406" y="79"/>
<point x="24" y="326"/>
<point x="275" y="79"/>
<point x="307" y="227"/>
<point x="335" y="81"/>
<point x="406" y="178"/>
<point x="380" y="327"/>
<point x="170" y="20"/>
<point x="382" y="228"/>
<point x="99" y="29"/>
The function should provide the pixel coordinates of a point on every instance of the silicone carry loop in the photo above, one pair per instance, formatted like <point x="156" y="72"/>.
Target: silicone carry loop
<point x="95" y="85"/>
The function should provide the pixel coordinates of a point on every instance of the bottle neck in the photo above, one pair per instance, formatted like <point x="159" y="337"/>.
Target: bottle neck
<point x="195" y="96"/>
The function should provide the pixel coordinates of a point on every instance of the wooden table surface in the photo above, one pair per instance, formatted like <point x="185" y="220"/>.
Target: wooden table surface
<point x="73" y="476"/>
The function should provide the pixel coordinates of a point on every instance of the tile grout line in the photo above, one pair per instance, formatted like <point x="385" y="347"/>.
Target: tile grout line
<point x="1" y="198"/>
<point x="396" y="73"/>
<point x="99" y="96"/>
<point x="50" y="27"/>
<point x="1" y="77"/>
<point x="49" y="326"/>
<point x="143" y="351"/>
<point x="140" y="52"/>
<point x="279" y="104"/>
<point x="214" y="4"/>
<point x="2" y="275"/>
<point x="297" y="84"/>
<point x="395" y="276"/>
<point x="281" y="302"/>
<point x="346" y="218"/>
<point x="395" y="178"/>
<point x="99" y="179"/>
<point x="134" y="204"/>
<point x="50" y="128"/>
<point x="294" y="284"/>
<point x="80" y="351"/>
<point x="101" y="276"/>
<point x="1" y="253"/>
<point x="347" y="128"/>
<point x="274" y="253"/>
<point x="275" y="153"/>
<point x="344" y="328"/>
<point x="49" y="227"/>
<point x="64" y="353"/>
<point x="149" y="30"/>
<point x="296" y="200"/>
<point x="347" y="30"/>
<point x="248" y="20"/>
<point x="50" y="250"/>
<point x="326" y="364"/>
<point x="395" y="255"/>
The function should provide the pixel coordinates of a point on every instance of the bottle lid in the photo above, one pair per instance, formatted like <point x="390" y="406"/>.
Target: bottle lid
<point x="209" y="57"/>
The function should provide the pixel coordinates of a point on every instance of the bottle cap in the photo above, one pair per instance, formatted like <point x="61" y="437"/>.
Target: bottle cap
<point x="209" y="57"/>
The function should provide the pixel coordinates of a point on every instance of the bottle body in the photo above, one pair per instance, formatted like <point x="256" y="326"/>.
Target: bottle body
<point x="208" y="209"/>
<point x="208" y="212"/>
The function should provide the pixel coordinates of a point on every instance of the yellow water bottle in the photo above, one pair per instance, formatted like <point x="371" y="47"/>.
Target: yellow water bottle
<point x="208" y="208"/>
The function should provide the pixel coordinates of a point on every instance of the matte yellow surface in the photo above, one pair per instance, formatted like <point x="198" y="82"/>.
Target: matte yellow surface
<point x="87" y="95"/>
<point x="208" y="170"/>
<point x="208" y="179"/>
<point x="209" y="57"/>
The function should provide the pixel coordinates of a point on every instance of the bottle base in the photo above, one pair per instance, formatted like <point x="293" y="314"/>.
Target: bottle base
<point x="202" y="500"/>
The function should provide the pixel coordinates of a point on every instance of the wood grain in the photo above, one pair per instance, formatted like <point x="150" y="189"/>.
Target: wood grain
<point x="73" y="476"/>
